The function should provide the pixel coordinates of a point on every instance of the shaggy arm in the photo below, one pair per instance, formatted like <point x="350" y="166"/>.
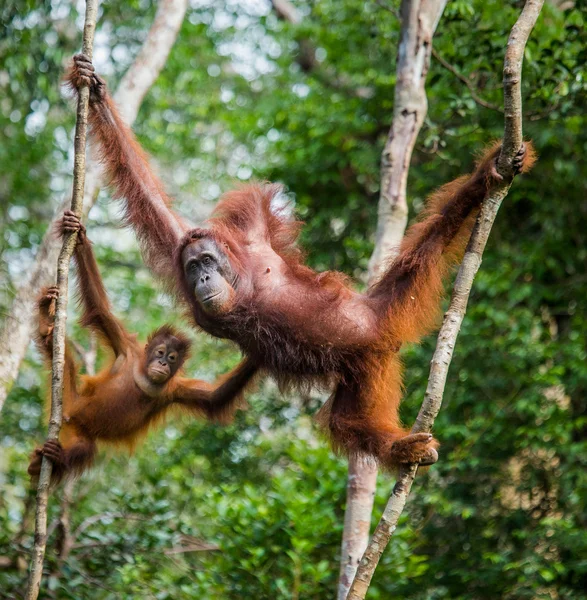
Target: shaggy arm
<point x="409" y="292"/>
<point x="147" y="207"/>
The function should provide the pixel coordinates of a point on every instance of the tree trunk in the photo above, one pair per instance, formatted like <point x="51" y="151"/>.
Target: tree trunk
<point x="419" y="20"/>
<point x="21" y="320"/>
<point x="458" y="304"/>
<point x="418" y="24"/>
<point x="69" y="242"/>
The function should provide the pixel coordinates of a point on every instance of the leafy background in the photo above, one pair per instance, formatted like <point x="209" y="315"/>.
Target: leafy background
<point x="503" y="514"/>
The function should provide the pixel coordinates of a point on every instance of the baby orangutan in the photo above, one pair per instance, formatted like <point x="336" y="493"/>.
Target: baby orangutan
<point x="119" y="404"/>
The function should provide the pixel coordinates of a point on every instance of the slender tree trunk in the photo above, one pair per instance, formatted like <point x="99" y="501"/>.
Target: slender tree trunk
<point x="419" y="20"/>
<point x="360" y="494"/>
<point x="69" y="241"/>
<point x="65" y="538"/>
<point x="456" y="312"/>
<point x="16" y="334"/>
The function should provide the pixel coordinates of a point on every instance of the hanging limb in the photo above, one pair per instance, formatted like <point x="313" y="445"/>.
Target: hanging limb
<point x="79" y="170"/>
<point x="453" y="318"/>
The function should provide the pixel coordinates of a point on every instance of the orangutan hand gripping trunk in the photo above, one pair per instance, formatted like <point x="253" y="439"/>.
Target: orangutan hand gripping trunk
<point x="119" y="405"/>
<point x="243" y="276"/>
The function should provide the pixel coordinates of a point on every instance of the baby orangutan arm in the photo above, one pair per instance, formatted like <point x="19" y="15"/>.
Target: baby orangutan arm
<point x="216" y="401"/>
<point x="97" y="313"/>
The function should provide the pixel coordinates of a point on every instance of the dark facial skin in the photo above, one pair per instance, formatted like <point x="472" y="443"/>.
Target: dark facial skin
<point x="209" y="275"/>
<point x="165" y="355"/>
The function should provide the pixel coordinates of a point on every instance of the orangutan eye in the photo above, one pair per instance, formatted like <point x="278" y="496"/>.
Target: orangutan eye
<point x="207" y="260"/>
<point x="159" y="352"/>
<point x="172" y="357"/>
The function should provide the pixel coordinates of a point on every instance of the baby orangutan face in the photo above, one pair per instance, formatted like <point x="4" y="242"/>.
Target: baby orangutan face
<point x="165" y="354"/>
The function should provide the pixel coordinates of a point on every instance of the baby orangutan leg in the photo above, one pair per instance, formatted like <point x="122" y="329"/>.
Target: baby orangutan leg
<point x="71" y="223"/>
<point x="415" y="448"/>
<point x="47" y="303"/>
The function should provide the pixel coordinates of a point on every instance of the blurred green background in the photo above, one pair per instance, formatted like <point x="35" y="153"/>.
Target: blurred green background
<point x="503" y="514"/>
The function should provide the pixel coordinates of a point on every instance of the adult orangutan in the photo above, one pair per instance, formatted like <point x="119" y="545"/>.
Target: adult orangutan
<point x="135" y="391"/>
<point x="243" y="277"/>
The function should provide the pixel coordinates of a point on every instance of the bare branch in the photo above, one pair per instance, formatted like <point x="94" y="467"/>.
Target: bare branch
<point x="458" y="304"/>
<point x="470" y="86"/>
<point x="108" y="515"/>
<point x="19" y="324"/>
<point x="87" y="357"/>
<point x="69" y="241"/>
<point x="306" y="58"/>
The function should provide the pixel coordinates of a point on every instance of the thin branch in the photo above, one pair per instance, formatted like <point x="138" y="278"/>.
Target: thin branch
<point x="191" y="544"/>
<point x="87" y="357"/>
<point x="65" y="540"/>
<point x="470" y="86"/>
<point x="306" y="59"/>
<point x="97" y="518"/>
<point x="79" y="174"/>
<point x="530" y="116"/>
<point x="512" y="141"/>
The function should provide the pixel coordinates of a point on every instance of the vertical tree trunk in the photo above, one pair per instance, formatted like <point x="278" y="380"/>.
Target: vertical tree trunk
<point x="360" y="494"/>
<point x="16" y="334"/>
<point x="458" y="304"/>
<point x="79" y="174"/>
<point x="419" y="19"/>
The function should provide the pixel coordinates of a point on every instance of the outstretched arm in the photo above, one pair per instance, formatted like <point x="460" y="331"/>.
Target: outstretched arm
<point x="97" y="313"/>
<point x="409" y="292"/>
<point x="219" y="400"/>
<point x="147" y="207"/>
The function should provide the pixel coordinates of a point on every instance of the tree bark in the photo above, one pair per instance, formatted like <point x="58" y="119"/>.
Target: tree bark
<point x="360" y="494"/>
<point x="65" y="538"/>
<point x="419" y="20"/>
<point x="20" y="322"/>
<point x="69" y="241"/>
<point x="454" y="316"/>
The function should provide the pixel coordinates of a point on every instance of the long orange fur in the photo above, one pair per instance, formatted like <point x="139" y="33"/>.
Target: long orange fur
<point x="319" y="330"/>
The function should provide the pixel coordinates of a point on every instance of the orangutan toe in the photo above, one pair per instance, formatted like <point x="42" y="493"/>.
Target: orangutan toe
<point x="429" y="458"/>
<point x="415" y="448"/>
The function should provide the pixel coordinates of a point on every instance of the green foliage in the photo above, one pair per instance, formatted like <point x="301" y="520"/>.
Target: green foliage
<point x="256" y="509"/>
